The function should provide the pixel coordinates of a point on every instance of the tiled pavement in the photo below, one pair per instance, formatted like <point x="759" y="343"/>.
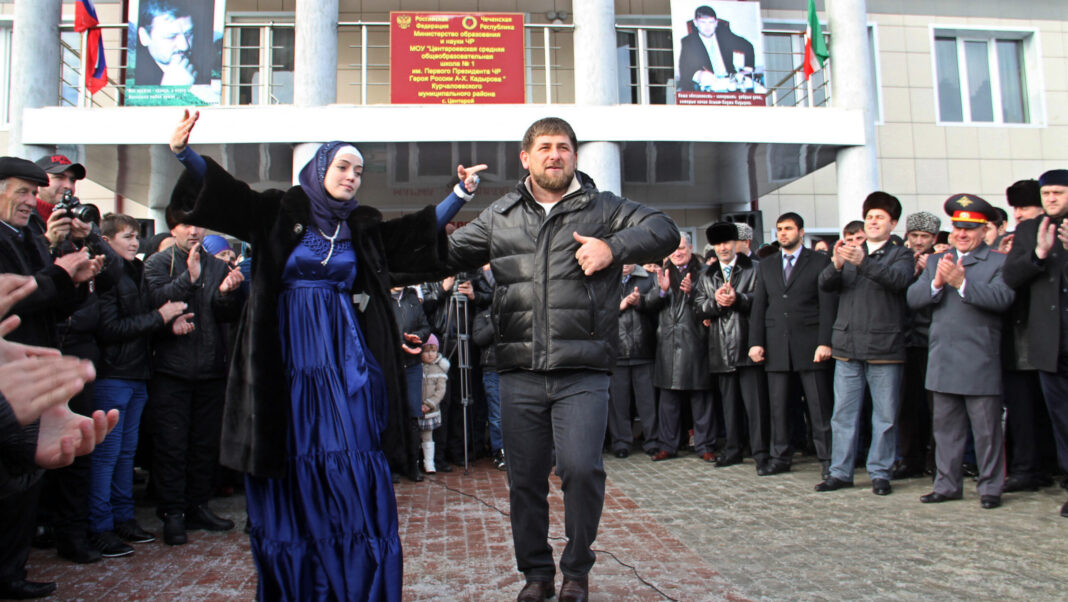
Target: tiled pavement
<point x="678" y="529"/>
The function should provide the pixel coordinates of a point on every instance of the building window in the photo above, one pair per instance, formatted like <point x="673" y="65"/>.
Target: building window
<point x="261" y="60"/>
<point x="657" y="162"/>
<point x="434" y="163"/>
<point x="982" y="77"/>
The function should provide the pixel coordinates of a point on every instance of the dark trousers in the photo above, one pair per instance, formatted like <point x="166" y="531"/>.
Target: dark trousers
<point x="1055" y="389"/>
<point x="704" y="420"/>
<point x="745" y="411"/>
<point x="819" y="394"/>
<point x="566" y="411"/>
<point x="914" y="437"/>
<point x="187" y="419"/>
<point x="65" y="491"/>
<point x="18" y="515"/>
<point x="951" y="419"/>
<point x="1028" y="433"/>
<point x="632" y="383"/>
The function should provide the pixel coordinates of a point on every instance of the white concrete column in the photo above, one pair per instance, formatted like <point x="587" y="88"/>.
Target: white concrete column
<point x="851" y="80"/>
<point x="35" y="67"/>
<point x="596" y="83"/>
<point x="315" y="63"/>
<point x="302" y="153"/>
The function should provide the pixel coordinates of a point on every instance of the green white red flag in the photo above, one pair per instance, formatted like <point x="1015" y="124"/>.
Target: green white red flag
<point x="815" y="46"/>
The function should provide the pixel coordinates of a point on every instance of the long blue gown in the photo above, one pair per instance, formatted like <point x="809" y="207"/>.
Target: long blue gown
<point x="328" y="531"/>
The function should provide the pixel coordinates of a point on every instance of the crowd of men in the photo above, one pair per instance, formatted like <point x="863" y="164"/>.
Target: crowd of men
<point x="879" y="347"/>
<point x="920" y="360"/>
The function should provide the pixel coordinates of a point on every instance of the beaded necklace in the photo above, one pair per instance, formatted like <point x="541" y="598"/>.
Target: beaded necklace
<point x="331" y="239"/>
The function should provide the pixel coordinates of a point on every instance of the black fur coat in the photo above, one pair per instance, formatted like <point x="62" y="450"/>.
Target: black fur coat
<point x="406" y="250"/>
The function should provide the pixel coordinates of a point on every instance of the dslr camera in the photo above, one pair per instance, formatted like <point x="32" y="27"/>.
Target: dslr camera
<point x="74" y="208"/>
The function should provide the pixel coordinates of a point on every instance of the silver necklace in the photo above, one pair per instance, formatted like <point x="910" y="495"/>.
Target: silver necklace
<point x="331" y="239"/>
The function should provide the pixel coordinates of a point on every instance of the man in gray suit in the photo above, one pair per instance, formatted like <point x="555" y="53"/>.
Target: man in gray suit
<point x="964" y="366"/>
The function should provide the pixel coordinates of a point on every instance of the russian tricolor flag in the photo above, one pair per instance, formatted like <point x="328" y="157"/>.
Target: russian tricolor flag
<point x="96" y="74"/>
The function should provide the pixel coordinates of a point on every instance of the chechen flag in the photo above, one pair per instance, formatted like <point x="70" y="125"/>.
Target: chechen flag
<point x="815" y="46"/>
<point x="96" y="75"/>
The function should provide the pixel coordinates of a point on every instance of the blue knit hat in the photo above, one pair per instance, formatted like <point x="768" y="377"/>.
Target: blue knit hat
<point x="213" y="243"/>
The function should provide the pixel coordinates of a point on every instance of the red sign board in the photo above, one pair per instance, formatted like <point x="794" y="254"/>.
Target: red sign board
<point x="450" y="58"/>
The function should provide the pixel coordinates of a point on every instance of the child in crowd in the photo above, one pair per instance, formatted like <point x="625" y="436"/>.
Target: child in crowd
<point x="127" y="321"/>
<point x="435" y="377"/>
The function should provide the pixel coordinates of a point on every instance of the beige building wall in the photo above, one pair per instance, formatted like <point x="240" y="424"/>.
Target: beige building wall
<point x="922" y="162"/>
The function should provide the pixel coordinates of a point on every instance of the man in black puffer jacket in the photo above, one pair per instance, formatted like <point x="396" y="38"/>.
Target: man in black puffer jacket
<point x="188" y="381"/>
<point x="556" y="246"/>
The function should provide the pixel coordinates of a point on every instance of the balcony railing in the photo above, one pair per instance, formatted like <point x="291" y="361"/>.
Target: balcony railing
<point x="258" y="58"/>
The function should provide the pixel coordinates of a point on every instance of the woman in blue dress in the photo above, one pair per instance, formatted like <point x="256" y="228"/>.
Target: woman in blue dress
<point x="315" y="386"/>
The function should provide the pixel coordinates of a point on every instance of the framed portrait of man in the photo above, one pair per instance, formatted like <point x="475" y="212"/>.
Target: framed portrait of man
<point x="719" y="52"/>
<point x="175" y="50"/>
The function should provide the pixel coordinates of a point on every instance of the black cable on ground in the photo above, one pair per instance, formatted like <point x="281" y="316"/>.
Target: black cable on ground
<point x="633" y="569"/>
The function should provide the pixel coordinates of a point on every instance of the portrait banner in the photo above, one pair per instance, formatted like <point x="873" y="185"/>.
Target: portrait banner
<point x="174" y="52"/>
<point x="719" y="52"/>
<point x="456" y="58"/>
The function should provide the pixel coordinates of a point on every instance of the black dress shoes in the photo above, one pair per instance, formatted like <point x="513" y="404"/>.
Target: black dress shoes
<point x="174" y="529"/>
<point x="1064" y="510"/>
<point x="536" y="591"/>
<point x="724" y="461"/>
<point x="76" y="548"/>
<point x="1018" y="483"/>
<point x="937" y="498"/>
<point x="905" y="471"/>
<point x="21" y="589"/>
<point x="989" y="502"/>
<point x="772" y="468"/>
<point x="833" y="484"/>
<point x="881" y="487"/>
<point x="622" y="452"/>
<point x="202" y="518"/>
<point x="575" y="590"/>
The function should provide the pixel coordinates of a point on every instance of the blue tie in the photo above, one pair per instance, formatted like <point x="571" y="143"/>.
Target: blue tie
<point x="727" y="274"/>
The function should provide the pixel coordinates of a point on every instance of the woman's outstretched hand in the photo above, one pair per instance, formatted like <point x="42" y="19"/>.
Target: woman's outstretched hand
<point x="180" y="137"/>
<point x="469" y="175"/>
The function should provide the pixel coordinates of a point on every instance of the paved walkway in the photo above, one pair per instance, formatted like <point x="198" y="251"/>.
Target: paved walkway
<point x="673" y="530"/>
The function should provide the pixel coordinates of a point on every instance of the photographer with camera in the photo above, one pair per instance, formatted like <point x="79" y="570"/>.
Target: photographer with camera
<point x="60" y="216"/>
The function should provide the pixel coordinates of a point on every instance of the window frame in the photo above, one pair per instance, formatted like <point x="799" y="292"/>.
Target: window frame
<point x="1032" y="84"/>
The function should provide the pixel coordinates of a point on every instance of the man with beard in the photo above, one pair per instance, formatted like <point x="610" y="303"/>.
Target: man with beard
<point x="1037" y="264"/>
<point x="556" y="245"/>
<point x="790" y="333"/>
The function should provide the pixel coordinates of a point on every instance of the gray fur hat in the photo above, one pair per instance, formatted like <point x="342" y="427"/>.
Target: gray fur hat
<point x="924" y="221"/>
<point x="745" y="231"/>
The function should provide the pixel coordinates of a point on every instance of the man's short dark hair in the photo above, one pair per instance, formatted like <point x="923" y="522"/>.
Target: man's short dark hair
<point x="853" y="227"/>
<point x="113" y="223"/>
<point x="790" y="216"/>
<point x="1001" y="217"/>
<point x="150" y="9"/>
<point x="549" y="126"/>
<point x="704" y="11"/>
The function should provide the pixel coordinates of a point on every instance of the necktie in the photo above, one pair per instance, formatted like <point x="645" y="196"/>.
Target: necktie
<point x="727" y="274"/>
<point x="789" y="267"/>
